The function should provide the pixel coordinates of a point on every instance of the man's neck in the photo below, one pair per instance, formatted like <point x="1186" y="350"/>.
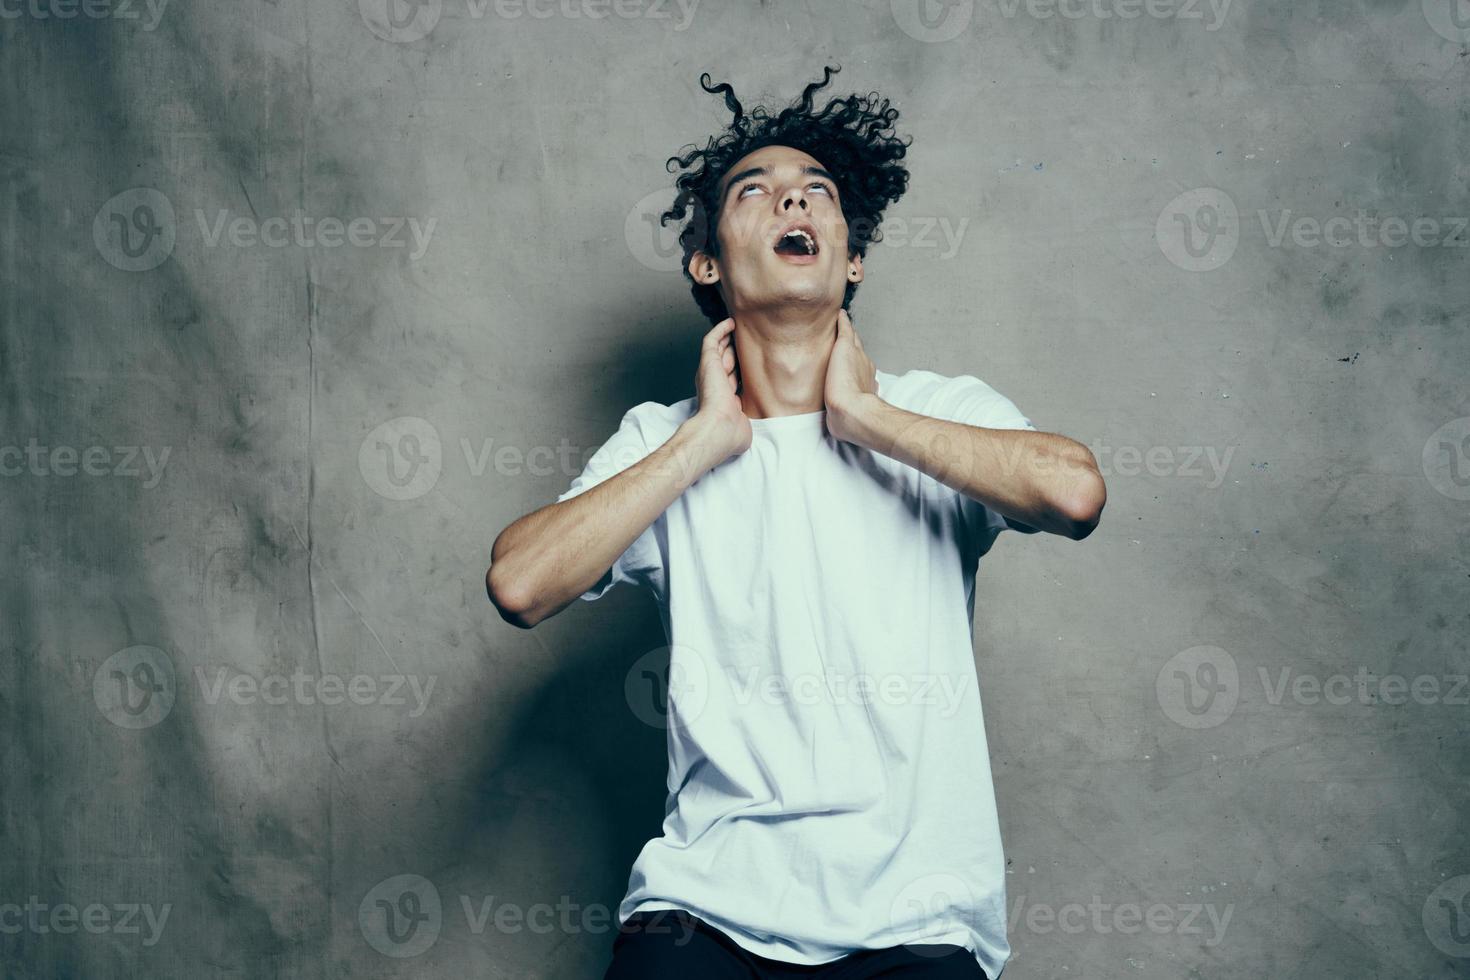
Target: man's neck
<point x="783" y="360"/>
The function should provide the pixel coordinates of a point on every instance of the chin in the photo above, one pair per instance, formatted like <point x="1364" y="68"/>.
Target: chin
<point x="808" y="288"/>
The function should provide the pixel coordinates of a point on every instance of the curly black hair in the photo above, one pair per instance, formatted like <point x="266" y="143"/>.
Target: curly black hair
<point x="852" y="137"/>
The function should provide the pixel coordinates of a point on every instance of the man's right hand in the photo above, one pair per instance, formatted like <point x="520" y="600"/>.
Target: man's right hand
<point x="719" y="421"/>
<point x="544" y="560"/>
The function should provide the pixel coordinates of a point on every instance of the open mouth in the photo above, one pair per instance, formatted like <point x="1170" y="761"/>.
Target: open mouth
<point x="798" y="241"/>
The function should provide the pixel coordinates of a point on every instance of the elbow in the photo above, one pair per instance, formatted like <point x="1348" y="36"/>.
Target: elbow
<point x="1081" y="510"/>
<point x="509" y="598"/>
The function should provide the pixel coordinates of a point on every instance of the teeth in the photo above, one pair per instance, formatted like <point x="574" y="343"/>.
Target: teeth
<point x="807" y="240"/>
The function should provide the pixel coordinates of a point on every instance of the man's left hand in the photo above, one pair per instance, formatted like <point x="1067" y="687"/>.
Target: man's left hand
<point x="851" y="388"/>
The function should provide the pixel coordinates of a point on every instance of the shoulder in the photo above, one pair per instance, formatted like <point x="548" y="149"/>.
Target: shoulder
<point x="644" y="428"/>
<point x="959" y="398"/>
<point x="649" y="424"/>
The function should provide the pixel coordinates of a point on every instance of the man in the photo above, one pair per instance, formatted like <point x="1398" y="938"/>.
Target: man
<point x="810" y="527"/>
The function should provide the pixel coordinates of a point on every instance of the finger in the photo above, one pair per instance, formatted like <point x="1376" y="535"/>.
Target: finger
<point x="720" y="330"/>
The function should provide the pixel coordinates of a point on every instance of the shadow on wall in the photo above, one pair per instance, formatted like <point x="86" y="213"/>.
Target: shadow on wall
<point x="598" y="716"/>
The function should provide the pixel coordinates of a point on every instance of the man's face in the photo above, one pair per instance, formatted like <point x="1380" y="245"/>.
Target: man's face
<point x="783" y="239"/>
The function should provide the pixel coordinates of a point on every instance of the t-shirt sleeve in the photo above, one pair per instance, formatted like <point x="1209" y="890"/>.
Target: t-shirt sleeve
<point x="642" y="562"/>
<point x="965" y="398"/>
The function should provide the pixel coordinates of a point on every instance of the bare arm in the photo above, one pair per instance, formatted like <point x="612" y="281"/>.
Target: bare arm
<point x="1038" y="479"/>
<point x="546" y="559"/>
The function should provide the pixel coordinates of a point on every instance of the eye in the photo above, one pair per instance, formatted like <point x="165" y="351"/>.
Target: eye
<point x="820" y="187"/>
<point x="743" y="192"/>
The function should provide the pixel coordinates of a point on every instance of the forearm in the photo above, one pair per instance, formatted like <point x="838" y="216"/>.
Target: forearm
<point x="1043" y="480"/>
<point x="546" y="559"/>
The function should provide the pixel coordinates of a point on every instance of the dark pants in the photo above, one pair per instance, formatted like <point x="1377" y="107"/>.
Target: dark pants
<point x="671" y="943"/>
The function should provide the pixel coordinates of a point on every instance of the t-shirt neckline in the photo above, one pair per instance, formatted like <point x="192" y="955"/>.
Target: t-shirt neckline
<point x="800" y="420"/>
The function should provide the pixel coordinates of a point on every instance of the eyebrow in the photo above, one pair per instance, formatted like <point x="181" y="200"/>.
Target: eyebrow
<point x="808" y="171"/>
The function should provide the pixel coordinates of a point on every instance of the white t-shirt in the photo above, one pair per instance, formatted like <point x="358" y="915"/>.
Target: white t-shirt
<point x="829" y="779"/>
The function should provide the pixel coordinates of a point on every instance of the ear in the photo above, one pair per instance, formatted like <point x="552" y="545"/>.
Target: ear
<point x="704" y="270"/>
<point x="855" y="269"/>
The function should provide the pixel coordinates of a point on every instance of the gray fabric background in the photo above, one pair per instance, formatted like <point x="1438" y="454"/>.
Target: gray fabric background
<point x="1284" y="423"/>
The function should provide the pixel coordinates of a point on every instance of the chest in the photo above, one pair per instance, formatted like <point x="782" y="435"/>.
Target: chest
<point x="822" y="529"/>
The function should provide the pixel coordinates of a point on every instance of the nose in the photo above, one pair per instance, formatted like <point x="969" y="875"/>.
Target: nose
<point x="794" y="199"/>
